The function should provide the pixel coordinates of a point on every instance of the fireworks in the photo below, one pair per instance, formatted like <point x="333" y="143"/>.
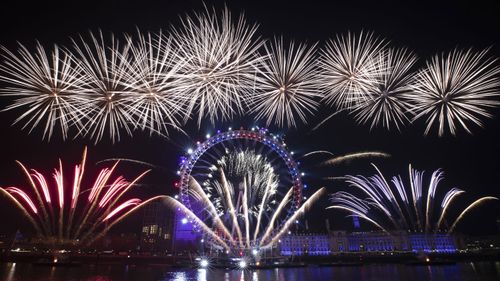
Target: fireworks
<point x="349" y="68"/>
<point x="288" y="87"/>
<point x="242" y="205"/>
<point x="386" y="105"/>
<point x="68" y="214"/>
<point x="400" y="207"/>
<point x="214" y="66"/>
<point x="456" y="90"/>
<point x="107" y="92"/>
<point x="220" y="63"/>
<point x="44" y="86"/>
<point x="242" y="188"/>
<point x="153" y="72"/>
<point x="351" y="156"/>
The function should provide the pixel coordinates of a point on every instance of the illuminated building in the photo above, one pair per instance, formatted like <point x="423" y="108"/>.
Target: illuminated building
<point x="341" y="241"/>
<point x="156" y="233"/>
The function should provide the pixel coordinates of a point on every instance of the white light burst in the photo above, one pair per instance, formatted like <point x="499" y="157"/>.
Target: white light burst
<point x="154" y="83"/>
<point x="455" y="90"/>
<point x="386" y="105"/>
<point x="288" y="84"/>
<point x="349" y="68"/>
<point x="107" y="92"/>
<point x="45" y="87"/>
<point x="220" y="63"/>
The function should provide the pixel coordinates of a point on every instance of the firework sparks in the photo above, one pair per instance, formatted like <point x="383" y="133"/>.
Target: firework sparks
<point x="316" y="152"/>
<point x="456" y="90"/>
<point x="352" y="156"/>
<point x="90" y="214"/>
<point x="349" y="68"/>
<point x="470" y="207"/>
<point x="392" y="204"/>
<point x="242" y="204"/>
<point x="153" y="75"/>
<point x="288" y="86"/>
<point x="386" y="105"/>
<point x="107" y="91"/>
<point x="220" y="63"/>
<point x="44" y="86"/>
<point x="306" y="205"/>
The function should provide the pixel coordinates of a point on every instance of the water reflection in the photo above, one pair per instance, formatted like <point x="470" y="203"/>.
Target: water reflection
<point x="461" y="271"/>
<point x="180" y="276"/>
<point x="202" y="275"/>
<point x="11" y="270"/>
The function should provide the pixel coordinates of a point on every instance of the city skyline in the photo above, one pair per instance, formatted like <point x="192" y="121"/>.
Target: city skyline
<point x="469" y="161"/>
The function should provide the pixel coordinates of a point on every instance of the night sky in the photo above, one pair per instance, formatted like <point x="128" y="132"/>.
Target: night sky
<point x="470" y="162"/>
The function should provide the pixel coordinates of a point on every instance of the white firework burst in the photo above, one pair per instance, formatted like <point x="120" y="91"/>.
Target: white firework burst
<point x="398" y="206"/>
<point x="288" y="84"/>
<point x="44" y="86"/>
<point x="107" y="90"/>
<point x="154" y="84"/>
<point x="349" y="67"/>
<point x="455" y="90"/>
<point x="220" y="59"/>
<point x="386" y="105"/>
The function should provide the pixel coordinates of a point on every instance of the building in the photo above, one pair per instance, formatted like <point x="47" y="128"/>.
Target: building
<point x="341" y="242"/>
<point x="118" y="242"/>
<point x="156" y="233"/>
<point x="186" y="238"/>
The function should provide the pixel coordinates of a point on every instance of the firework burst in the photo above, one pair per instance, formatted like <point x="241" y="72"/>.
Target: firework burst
<point x="386" y="105"/>
<point x="220" y="63"/>
<point x="67" y="214"/>
<point x="45" y="86"/>
<point x="241" y="205"/>
<point x="349" y="68"/>
<point x="107" y="93"/>
<point x="399" y="207"/>
<point x="288" y="86"/>
<point x="456" y="90"/>
<point x="152" y="72"/>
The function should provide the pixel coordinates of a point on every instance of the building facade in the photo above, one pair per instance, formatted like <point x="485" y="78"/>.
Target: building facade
<point x="341" y="241"/>
<point x="156" y="232"/>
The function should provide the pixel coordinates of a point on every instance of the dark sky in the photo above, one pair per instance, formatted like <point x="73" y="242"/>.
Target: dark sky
<point x="469" y="161"/>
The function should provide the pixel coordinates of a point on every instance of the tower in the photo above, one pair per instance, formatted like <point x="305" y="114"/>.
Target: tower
<point x="156" y="233"/>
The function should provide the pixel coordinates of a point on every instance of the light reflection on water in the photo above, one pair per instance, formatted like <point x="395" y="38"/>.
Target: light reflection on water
<point x="460" y="271"/>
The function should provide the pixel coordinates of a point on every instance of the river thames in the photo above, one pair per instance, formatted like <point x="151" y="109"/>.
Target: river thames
<point x="483" y="271"/>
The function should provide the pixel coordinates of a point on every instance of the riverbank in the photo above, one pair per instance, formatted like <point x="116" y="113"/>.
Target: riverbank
<point x="338" y="259"/>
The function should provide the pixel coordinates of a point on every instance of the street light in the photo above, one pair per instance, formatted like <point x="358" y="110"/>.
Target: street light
<point x="204" y="263"/>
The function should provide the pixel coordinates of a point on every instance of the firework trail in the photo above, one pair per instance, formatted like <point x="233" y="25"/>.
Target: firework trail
<point x="72" y="218"/>
<point x="178" y="205"/>
<point x="143" y="163"/>
<point x="392" y="204"/>
<point x="300" y="212"/>
<point x="352" y="156"/>
<point x="470" y="207"/>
